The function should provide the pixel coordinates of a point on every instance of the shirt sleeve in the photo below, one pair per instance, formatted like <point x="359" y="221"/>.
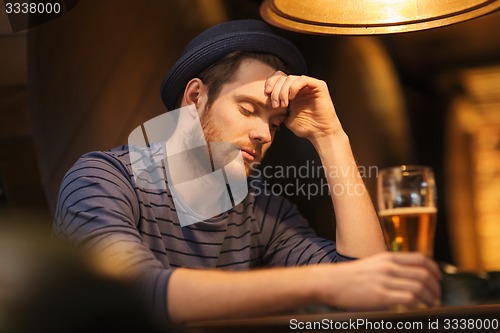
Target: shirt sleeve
<point x="292" y="242"/>
<point x="98" y="211"/>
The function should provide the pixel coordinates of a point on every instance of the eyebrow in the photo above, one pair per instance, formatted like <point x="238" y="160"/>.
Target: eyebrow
<point x="254" y="101"/>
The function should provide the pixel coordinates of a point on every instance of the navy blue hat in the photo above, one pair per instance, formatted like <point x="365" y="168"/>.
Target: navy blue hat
<point x="216" y="42"/>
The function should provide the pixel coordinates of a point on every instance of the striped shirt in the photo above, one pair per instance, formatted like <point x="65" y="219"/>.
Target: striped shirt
<point x="101" y="207"/>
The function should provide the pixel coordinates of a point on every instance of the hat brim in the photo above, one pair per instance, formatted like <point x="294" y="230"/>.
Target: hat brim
<point x="200" y="57"/>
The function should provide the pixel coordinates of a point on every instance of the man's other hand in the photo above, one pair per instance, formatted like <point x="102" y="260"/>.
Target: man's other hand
<point x="382" y="280"/>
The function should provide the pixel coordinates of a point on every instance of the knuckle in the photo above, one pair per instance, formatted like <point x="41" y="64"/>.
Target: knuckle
<point x="425" y="275"/>
<point x="388" y="256"/>
<point x="387" y="268"/>
<point x="404" y="298"/>
<point x="422" y="259"/>
<point x="381" y="292"/>
<point x="277" y="74"/>
<point x="421" y="274"/>
<point x="322" y="84"/>
<point x="408" y="299"/>
<point x="419" y="289"/>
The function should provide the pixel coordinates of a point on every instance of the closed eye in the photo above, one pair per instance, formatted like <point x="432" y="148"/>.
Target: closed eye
<point x="245" y="111"/>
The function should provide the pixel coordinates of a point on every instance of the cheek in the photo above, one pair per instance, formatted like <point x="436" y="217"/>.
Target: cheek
<point x="232" y="124"/>
<point x="265" y="147"/>
<point x="223" y="116"/>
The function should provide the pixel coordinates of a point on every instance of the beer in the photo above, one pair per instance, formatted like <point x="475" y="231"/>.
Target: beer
<point x="409" y="229"/>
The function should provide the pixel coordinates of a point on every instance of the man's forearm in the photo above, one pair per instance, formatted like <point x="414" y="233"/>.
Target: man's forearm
<point x="371" y="283"/>
<point x="214" y="294"/>
<point x="358" y="232"/>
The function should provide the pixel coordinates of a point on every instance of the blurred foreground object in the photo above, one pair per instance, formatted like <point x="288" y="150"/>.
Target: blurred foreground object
<point x="48" y="287"/>
<point x="368" y="17"/>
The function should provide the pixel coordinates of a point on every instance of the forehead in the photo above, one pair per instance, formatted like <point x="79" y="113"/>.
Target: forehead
<point x="249" y="77"/>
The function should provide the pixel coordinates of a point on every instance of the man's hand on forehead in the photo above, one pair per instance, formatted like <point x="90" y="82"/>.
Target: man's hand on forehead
<point x="278" y="88"/>
<point x="311" y="111"/>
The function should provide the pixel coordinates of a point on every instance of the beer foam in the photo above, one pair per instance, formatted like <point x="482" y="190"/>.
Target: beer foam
<point x="408" y="211"/>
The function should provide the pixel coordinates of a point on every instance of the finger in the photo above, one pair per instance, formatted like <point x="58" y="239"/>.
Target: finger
<point x="418" y="291"/>
<point x="398" y="297"/>
<point x="270" y="82"/>
<point x="285" y="91"/>
<point x="419" y="275"/>
<point x="275" y="93"/>
<point x="305" y="82"/>
<point x="417" y="259"/>
<point x="297" y="85"/>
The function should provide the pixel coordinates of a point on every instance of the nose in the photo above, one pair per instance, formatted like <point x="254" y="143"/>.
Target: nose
<point x="260" y="131"/>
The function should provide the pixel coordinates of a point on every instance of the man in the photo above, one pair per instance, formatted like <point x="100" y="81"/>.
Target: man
<point x="237" y="78"/>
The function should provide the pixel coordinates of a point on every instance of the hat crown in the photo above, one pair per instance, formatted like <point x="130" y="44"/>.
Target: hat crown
<point x="226" y="28"/>
<point x="216" y="42"/>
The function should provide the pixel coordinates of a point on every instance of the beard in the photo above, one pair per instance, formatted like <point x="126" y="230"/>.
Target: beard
<point x="213" y="134"/>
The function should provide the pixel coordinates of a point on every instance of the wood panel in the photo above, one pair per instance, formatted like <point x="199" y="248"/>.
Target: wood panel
<point x="95" y="75"/>
<point x="473" y="172"/>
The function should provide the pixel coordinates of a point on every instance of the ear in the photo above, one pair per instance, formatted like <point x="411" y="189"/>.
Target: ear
<point x="195" y="93"/>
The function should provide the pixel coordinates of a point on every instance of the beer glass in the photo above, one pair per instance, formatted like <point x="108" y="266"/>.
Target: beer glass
<point x="407" y="208"/>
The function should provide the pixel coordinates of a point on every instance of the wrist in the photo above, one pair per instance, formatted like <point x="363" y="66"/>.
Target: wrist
<point x="321" y="284"/>
<point x="331" y="283"/>
<point x="323" y="142"/>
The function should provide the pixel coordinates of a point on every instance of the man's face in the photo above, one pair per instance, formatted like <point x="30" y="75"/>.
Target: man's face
<point x="242" y="113"/>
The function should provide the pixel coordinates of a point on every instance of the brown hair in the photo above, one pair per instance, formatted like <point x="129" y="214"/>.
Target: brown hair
<point x="223" y="71"/>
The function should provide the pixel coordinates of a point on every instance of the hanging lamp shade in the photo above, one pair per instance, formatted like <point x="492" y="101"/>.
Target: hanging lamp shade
<point x="369" y="17"/>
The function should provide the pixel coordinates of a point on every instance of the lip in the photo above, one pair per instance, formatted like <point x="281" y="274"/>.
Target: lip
<point x="248" y="154"/>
